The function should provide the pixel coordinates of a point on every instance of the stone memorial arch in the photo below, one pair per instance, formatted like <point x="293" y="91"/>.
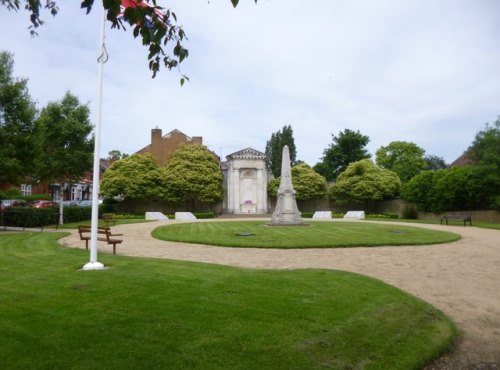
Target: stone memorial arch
<point x="246" y="177"/>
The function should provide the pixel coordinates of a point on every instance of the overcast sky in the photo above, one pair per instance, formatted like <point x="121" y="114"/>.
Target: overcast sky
<point x="425" y="71"/>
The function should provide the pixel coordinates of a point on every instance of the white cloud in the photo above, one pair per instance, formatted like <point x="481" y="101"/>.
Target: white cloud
<point x="420" y="71"/>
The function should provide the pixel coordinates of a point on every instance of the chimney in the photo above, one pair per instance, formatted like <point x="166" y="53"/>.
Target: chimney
<point x="155" y="136"/>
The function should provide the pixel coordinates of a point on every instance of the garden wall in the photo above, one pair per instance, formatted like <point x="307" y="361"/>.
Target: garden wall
<point x="479" y="216"/>
<point x="136" y="206"/>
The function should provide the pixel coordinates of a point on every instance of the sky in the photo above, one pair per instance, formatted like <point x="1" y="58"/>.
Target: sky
<point x="422" y="71"/>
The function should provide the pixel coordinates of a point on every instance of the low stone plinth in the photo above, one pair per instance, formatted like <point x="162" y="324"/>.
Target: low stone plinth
<point x="322" y="215"/>
<point x="355" y="215"/>
<point x="184" y="216"/>
<point x="155" y="216"/>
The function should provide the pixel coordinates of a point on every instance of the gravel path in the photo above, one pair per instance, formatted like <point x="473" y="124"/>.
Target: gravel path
<point x="461" y="278"/>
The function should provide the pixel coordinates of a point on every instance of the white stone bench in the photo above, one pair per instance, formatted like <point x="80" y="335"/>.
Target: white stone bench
<point x="355" y="215"/>
<point x="184" y="216"/>
<point x="322" y="215"/>
<point x="155" y="216"/>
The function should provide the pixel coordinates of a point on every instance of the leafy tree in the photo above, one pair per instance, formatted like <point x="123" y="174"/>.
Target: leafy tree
<point x="404" y="158"/>
<point x="17" y="115"/>
<point x="274" y="149"/>
<point x="156" y="26"/>
<point x="455" y="189"/>
<point x="115" y="155"/>
<point x="422" y="190"/>
<point x="307" y="183"/>
<point x="365" y="181"/>
<point x="486" y="146"/>
<point x="192" y="174"/>
<point x="347" y="147"/>
<point x="134" y="177"/>
<point x="64" y="141"/>
<point x="435" y="163"/>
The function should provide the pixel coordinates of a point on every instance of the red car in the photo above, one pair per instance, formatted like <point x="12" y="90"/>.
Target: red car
<point x="7" y="203"/>
<point x="42" y="204"/>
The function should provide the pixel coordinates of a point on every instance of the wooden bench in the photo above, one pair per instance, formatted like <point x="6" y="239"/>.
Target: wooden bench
<point x="103" y="234"/>
<point x="109" y="218"/>
<point x="463" y="218"/>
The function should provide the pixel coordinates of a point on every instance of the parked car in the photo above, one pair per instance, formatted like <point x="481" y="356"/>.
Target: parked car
<point x="7" y="203"/>
<point x="42" y="204"/>
<point x="85" y="203"/>
<point x="88" y="203"/>
<point x="70" y="203"/>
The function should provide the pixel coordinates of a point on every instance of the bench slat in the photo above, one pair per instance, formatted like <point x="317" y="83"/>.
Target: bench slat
<point x="83" y="229"/>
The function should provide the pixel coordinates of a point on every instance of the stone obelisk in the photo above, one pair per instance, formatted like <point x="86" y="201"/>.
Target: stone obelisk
<point x="286" y="212"/>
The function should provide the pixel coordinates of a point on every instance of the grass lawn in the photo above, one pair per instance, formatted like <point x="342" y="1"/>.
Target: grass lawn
<point x="315" y="235"/>
<point x="145" y="313"/>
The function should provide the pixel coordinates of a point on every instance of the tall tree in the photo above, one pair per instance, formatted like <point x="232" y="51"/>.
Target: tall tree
<point x="134" y="177"/>
<point x="115" y="155"/>
<point x="365" y="181"/>
<point x="17" y="115"/>
<point x="156" y="26"/>
<point x="347" y="147"/>
<point x="404" y="158"/>
<point x="274" y="149"/>
<point x="193" y="174"/>
<point x="435" y="162"/>
<point x="64" y="140"/>
<point x="306" y="182"/>
<point x="485" y="148"/>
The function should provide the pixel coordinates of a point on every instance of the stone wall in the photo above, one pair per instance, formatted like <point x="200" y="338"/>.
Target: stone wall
<point x="490" y="216"/>
<point x="136" y="206"/>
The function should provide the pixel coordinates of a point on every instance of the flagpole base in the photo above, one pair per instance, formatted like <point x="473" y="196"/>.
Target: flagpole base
<point x="93" y="266"/>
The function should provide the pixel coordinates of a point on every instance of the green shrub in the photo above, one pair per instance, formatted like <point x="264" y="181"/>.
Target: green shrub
<point x="337" y="215"/>
<point x="200" y="215"/>
<point x="31" y="198"/>
<point x="384" y="215"/>
<point x="136" y="216"/>
<point x="30" y="217"/>
<point x="75" y="214"/>
<point x="307" y="214"/>
<point x="12" y="193"/>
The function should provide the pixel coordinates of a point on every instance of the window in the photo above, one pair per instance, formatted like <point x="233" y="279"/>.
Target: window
<point x="25" y="189"/>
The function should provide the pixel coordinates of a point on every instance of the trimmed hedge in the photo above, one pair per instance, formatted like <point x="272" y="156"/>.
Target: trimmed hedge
<point x="200" y="215"/>
<point x="30" y="217"/>
<point x="36" y="217"/>
<point x="383" y="215"/>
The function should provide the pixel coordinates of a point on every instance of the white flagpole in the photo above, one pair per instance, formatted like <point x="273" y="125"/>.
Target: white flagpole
<point x="93" y="264"/>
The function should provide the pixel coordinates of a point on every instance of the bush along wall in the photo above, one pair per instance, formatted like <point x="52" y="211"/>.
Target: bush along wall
<point x="34" y="217"/>
<point x="30" y="217"/>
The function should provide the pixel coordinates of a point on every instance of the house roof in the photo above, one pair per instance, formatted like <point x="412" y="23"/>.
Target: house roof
<point x="247" y="153"/>
<point x="464" y="160"/>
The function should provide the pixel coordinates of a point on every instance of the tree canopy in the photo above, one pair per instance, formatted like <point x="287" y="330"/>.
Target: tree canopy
<point x="156" y="26"/>
<point x="64" y="141"/>
<point x="404" y="158"/>
<point x="274" y="149"/>
<point x="485" y="148"/>
<point x="307" y="183"/>
<point x="192" y="174"/>
<point x="347" y="147"/>
<point x="135" y="177"/>
<point x="17" y="116"/>
<point x="435" y="162"/>
<point x="115" y="155"/>
<point x="364" y="181"/>
<point x="455" y="189"/>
